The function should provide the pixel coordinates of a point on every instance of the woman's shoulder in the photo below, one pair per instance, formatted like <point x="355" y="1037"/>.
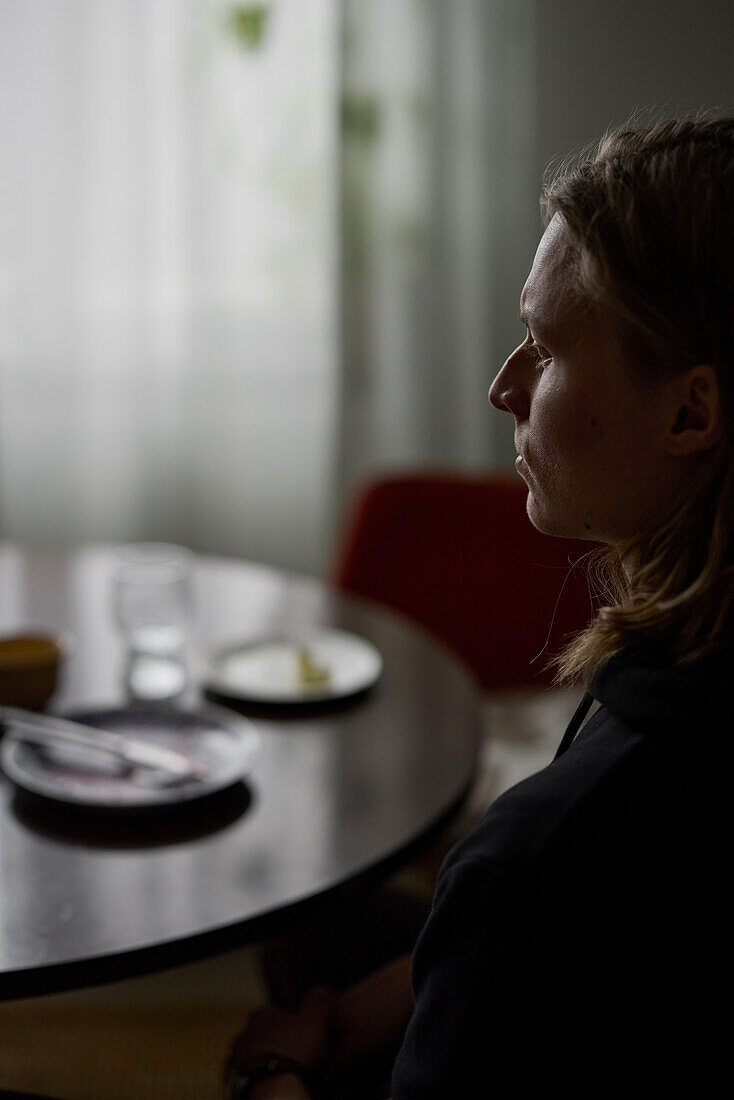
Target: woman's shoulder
<point x="612" y="779"/>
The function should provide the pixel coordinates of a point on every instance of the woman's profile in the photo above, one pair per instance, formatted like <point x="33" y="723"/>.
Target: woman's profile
<point x="578" y="937"/>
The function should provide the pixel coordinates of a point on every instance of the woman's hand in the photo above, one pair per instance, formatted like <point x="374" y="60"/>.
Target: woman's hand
<point x="370" y="1018"/>
<point x="303" y="1036"/>
<point x="334" y="1033"/>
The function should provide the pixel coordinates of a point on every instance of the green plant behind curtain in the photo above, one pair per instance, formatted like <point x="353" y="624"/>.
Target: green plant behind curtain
<point x="247" y="23"/>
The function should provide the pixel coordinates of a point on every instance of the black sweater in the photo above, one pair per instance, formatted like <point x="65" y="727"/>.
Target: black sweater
<point x="579" y="936"/>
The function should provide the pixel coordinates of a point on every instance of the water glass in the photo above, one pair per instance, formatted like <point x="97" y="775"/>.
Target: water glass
<point x="151" y="597"/>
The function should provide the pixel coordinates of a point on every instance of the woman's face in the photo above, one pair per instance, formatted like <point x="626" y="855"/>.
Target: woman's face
<point x="590" y="435"/>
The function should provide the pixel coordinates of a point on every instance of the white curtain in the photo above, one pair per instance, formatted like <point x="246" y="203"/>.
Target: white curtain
<point x="167" y="272"/>
<point x="250" y="253"/>
<point x="439" y="222"/>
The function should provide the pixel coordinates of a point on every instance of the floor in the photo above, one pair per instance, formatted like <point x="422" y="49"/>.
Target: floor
<point x="165" y="1035"/>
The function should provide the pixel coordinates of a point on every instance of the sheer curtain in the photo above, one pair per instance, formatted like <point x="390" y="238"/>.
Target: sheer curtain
<point x="439" y="223"/>
<point x="167" y="272"/>
<point x="250" y="253"/>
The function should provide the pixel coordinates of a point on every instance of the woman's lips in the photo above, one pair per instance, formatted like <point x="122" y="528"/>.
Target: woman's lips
<point x="522" y="468"/>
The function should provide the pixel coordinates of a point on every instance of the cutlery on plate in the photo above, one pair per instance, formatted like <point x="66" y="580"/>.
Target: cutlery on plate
<point x="131" y="753"/>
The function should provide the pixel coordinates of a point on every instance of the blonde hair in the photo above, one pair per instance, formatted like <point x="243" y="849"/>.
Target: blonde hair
<point x="651" y="211"/>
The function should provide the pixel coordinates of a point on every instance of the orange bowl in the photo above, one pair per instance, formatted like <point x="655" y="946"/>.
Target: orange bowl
<point x="29" y="668"/>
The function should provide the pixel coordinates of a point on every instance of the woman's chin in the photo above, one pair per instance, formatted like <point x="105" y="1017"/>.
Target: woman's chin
<point x="537" y="515"/>
<point x="550" y="522"/>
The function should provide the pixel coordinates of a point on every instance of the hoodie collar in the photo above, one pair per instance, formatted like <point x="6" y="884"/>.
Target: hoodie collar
<point x="643" y="690"/>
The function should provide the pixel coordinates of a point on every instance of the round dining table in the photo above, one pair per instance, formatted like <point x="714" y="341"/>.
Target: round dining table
<point x="340" y="793"/>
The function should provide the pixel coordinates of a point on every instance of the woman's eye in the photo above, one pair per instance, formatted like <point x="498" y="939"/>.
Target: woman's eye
<point x="540" y="354"/>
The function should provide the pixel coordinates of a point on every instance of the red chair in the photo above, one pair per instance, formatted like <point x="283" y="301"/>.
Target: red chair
<point x="458" y="554"/>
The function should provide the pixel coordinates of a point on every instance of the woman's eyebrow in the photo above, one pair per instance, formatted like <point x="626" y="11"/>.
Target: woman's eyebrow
<point x="530" y="320"/>
<point x="547" y="328"/>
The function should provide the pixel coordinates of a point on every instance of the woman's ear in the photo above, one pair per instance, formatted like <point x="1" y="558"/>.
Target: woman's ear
<point x="695" y="424"/>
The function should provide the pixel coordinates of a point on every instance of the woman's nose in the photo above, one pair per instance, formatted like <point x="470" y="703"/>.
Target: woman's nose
<point x="507" y="392"/>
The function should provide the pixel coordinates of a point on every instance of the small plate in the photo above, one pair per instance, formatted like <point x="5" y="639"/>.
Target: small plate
<point x="224" y="743"/>
<point x="272" y="671"/>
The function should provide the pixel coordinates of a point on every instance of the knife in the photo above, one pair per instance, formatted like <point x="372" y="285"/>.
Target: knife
<point x="50" y="731"/>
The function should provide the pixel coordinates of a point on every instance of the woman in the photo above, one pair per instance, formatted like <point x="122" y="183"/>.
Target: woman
<point x="578" y="935"/>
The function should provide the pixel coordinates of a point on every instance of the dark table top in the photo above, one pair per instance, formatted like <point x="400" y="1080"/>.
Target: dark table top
<point x="337" y="796"/>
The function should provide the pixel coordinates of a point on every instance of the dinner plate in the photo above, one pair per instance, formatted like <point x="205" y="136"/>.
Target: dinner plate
<point x="224" y="743"/>
<point x="321" y="665"/>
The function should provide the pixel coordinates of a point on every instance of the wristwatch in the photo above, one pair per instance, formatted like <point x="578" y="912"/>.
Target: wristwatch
<point x="241" y="1077"/>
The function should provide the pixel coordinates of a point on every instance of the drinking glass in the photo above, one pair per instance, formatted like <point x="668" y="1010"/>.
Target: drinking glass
<point x="151" y="597"/>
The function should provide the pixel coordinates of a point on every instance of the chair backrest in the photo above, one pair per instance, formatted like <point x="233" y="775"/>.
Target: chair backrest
<point x="458" y="554"/>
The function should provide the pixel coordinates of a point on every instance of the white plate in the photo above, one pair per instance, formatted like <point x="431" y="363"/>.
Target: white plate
<point x="224" y="743"/>
<point x="269" y="670"/>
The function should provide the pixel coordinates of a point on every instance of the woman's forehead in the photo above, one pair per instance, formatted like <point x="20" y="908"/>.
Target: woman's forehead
<point x="551" y="296"/>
